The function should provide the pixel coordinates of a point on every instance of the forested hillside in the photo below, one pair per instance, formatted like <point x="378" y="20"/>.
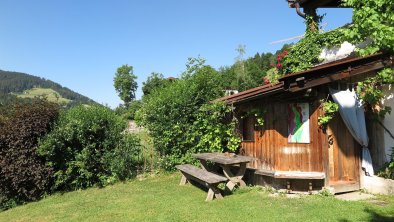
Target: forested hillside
<point x="16" y="82"/>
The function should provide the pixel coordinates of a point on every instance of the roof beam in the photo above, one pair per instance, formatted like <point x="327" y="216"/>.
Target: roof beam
<point x="317" y="4"/>
<point x="373" y="66"/>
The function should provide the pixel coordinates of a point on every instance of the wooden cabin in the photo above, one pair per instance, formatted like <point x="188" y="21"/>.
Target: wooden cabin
<point x="318" y="157"/>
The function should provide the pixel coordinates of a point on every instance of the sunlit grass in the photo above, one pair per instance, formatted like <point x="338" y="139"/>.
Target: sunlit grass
<point x="50" y="94"/>
<point x="160" y="198"/>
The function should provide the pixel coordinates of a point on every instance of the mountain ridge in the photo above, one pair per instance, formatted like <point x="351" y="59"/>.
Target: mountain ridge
<point x="12" y="83"/>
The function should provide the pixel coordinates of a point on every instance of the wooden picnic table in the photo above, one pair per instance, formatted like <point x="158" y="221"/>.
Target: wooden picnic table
<point x="226" y="161"/>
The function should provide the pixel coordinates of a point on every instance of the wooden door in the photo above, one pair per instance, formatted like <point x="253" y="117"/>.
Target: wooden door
<point x="344" y="157"/>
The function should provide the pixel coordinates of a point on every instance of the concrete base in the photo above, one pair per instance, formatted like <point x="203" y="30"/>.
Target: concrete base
<point x="354" y="196"/>
<point x="378" y="185"/>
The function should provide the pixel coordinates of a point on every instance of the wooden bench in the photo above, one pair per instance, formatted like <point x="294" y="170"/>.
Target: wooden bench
<point x="289" y="175"/>
<point x="208" y="179"/>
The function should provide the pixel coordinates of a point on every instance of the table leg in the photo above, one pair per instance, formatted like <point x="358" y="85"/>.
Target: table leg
<point x="183" y="180"/>
<point x="235" y="180"/>
<point x="213" y="192"/>
<point x="204" y="165"/>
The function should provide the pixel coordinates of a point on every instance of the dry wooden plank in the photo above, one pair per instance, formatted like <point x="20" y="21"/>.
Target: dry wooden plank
<point x="291" y="174"/>
<point x="330" y="154"/>
<point x="265" y="172"/>
<point x="204" y="177"/>
<point x="272" y="133"/>
<point x="299" y="175"/>
<point x="201" y="174"/>
<point x="313" y="162"/>
<point x="221" y="158"/>
<point x="325" y="149"/>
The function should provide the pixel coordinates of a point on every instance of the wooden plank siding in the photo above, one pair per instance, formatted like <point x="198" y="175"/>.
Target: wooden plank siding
<point x="271" y="146"/>
<point x="333" y="151"/>
<point x="344" y="154"/>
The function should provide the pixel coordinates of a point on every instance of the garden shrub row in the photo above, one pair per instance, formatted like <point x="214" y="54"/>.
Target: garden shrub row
<point x="44" y="150"/>
<point x="181" y="119"/>
<point x="24" y="176"/>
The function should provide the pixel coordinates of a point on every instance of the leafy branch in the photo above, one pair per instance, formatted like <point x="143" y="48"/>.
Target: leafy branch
<point x="371" y="93"/>
<point x="258" y="113"/>
<point x="329" y="108"/>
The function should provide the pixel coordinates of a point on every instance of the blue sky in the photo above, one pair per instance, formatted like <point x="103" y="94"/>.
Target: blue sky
<point x="80" y="44"/>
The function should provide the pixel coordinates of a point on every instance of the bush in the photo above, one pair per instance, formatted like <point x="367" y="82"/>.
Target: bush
<point x="168" y="162"/>
<point x="214" y="129"/>
<point x="388" y="171"/>
<point x="169" y="113"/>
<point x="80" y="144"/>
<point x="23" y="174"/>
<point x="128" y="112"/>
<point x="126" y="158"/>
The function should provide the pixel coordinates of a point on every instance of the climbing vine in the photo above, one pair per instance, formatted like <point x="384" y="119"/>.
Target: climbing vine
<point x="371" y="93"/>
<point x="258" y="113"/>
<point x="373" y="22"/>
<point x="305" y="54"/>
<point x="372" y="26"/>
<point x="329" y="108"/>
<point x="213" y="129"/>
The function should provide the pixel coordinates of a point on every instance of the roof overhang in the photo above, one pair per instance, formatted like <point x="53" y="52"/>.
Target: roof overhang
<point x="254" y="93"/>
<point x="319" y="75"/>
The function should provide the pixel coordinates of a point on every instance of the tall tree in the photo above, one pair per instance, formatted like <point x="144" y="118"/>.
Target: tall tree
<point x="155" y="81"/>
<point x="125" y="83"/>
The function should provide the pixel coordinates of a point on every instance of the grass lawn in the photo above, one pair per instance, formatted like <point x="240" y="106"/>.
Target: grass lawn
<point x="160" y="198"/>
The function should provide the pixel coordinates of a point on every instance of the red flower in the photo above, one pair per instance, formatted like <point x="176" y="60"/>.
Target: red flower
<point x="279" y="65"/>
<point x="285" y="52"/>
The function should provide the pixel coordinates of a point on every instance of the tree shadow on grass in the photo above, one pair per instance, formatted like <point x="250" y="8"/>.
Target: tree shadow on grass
<point x="374" y="217"/>
<point x="223" y="191"/>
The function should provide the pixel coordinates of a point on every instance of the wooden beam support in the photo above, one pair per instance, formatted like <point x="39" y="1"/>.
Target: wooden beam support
<point x="294" y="87"/>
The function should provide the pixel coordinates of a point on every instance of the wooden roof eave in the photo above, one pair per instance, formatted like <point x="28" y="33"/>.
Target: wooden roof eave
<point x="335" y="71"/>
<point x="252" y="94"/>
<point x="319" y="75"/>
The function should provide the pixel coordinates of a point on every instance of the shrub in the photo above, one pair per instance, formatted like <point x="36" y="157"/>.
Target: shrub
<point x="128" y="112"/>
<point x="126" y="158"/>
<point x="169" y="113"/>
<point x="79" y="145"/>
<point x="23" y="174"/>
<point x="388" y="171"/>
<point x="168" y="162"/>
<point x="214" y="129"/>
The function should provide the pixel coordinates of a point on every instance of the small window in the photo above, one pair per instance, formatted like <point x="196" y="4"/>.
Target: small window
<point x="248" y="128"/>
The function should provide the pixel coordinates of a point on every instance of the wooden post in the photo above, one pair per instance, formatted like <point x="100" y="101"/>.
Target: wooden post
<point x="213" y="192"/>
<point x="236" y="179"/>
<point x="183" y="180"/>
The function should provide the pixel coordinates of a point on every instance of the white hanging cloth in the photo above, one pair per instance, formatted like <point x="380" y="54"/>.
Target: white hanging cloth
<point x="352" y="113"/>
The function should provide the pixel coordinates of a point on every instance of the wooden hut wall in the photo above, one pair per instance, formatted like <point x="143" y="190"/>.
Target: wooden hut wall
<point x="271" y="146"/>
<point x="343" y="153"/>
